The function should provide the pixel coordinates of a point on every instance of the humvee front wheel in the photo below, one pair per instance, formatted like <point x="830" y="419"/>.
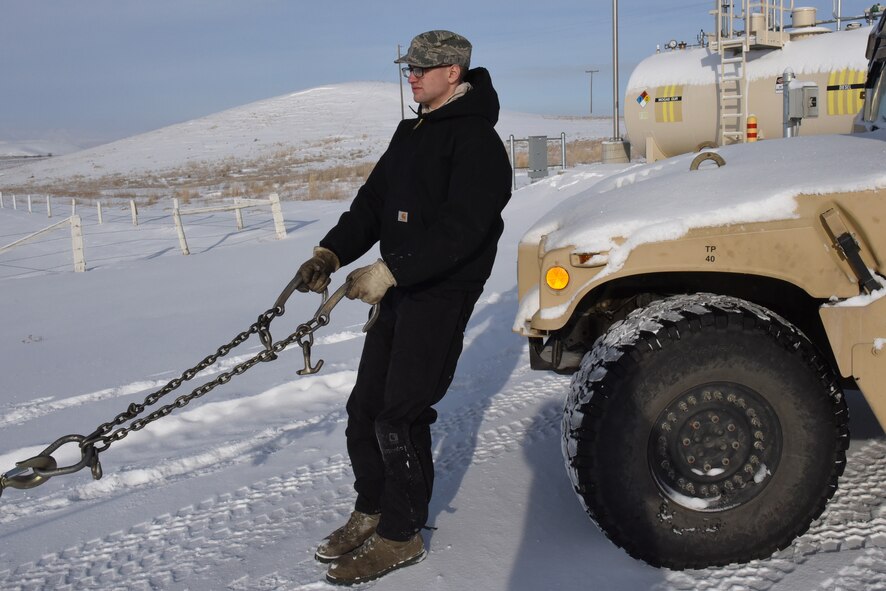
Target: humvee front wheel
<point x="704" y="430"/>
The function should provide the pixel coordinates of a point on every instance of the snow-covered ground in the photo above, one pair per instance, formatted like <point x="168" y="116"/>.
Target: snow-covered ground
<point x="234" y="491"/>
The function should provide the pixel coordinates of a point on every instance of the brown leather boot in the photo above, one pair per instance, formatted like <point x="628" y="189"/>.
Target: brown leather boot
<point x="375" y="558"/>
<point x="348" y="537"/>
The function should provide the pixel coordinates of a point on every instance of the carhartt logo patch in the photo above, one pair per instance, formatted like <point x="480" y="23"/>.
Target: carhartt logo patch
<point x="403" y="216"/>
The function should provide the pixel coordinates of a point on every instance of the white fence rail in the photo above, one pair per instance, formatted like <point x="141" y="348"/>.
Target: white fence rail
<point x="76" y="240"/>
<point x="237" y="207"/>
<point x="75" y="222"/>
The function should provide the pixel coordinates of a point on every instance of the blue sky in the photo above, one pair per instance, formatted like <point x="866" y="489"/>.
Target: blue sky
<point x="97" y="70"/>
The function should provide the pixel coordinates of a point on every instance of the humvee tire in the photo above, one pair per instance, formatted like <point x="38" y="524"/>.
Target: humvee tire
<point x="743" y="426"/>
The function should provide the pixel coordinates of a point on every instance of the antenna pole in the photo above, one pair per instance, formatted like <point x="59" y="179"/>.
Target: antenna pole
<point x="400" y="78"/>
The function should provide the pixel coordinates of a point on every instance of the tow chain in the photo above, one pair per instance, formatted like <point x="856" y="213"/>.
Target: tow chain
<point x="40" y="468"/>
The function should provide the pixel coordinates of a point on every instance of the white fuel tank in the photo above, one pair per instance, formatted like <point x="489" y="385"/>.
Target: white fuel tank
<point x="671" y="101"/>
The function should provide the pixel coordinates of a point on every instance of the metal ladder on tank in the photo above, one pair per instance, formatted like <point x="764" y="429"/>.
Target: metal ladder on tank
<point x="733" y="88"/>
<point x="733" y="47"/>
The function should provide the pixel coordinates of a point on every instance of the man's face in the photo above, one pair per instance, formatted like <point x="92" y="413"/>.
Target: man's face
<point x="435" y="86"/>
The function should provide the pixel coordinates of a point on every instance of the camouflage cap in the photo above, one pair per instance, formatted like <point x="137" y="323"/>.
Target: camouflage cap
<point x="436" y="48"/>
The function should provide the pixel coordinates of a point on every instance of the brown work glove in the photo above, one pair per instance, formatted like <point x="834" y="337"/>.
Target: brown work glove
<point x="316" y="270"/>
<point x="370" y="283"/>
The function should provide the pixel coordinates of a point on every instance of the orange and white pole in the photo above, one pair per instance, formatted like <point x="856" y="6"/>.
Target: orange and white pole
<point x="752" y="128"/>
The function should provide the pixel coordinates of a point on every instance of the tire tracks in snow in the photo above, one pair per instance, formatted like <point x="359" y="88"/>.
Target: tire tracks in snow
<point x="173" y="549"/>
<point x="178" y="550"/>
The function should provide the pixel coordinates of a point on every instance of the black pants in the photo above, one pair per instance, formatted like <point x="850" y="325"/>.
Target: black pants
<point x="408" y="362"/>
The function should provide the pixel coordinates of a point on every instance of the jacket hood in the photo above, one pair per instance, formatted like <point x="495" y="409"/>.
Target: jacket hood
<point x="481" y="100"/>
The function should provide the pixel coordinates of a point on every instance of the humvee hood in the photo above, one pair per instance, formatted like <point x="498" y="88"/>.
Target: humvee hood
<point x="663" y="200"/>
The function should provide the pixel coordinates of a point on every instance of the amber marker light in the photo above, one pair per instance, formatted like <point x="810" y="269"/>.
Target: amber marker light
<point x="557" y="278"/>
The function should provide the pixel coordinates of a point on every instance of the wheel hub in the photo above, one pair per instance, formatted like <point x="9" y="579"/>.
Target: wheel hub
<point x="714" y="446"/>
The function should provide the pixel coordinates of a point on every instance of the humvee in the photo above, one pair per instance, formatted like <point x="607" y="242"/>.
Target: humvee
<point x="712" y="319"/>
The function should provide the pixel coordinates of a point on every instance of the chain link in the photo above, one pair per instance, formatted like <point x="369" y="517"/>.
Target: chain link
<point x="38" y="469"/>
<point x="303" y="336"/>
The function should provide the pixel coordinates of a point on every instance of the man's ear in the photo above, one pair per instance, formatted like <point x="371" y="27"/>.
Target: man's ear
<point x="454" y="73"/>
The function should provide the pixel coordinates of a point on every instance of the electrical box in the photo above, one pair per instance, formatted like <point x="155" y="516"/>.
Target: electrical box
<point x="803" y="100"/>
<point x="538" y="156"/>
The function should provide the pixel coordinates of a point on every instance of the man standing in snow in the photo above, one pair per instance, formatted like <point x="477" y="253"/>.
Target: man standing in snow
<point x="433" y="202"/>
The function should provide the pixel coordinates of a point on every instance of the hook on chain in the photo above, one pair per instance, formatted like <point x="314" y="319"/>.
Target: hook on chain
<point x="40" y="468"/>
<point x="305" y="333"/>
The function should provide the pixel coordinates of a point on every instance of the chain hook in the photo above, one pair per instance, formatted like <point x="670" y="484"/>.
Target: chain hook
<point x="43" y="466"/>
<point x="306" y="350"/>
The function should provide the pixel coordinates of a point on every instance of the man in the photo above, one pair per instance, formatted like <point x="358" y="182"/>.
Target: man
<point x="433" y="202"/>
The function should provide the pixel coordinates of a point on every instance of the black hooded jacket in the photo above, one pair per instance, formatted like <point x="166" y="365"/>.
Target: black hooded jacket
<point x="435" y="197"/>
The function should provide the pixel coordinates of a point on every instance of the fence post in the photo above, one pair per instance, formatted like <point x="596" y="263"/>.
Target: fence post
<point x="134" y="210"/>
<point x="513" y="162"/>
<point x="99" y="207"/>
<point x="30" y="210"/>
<point x="73" y="206"/>
<point x="1" y="201"/>
<point x="77" y="244"/>
<point x="563" y="150"/>
<point x="48" y="207"/>
<point x="238" y="215"/>
<point x="177" y="217"/>
<point x="277" y="212"/>
<point x="14" y="202"/>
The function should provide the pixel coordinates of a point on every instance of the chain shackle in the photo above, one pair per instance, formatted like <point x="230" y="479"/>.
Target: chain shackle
<point x="40" y="468"/>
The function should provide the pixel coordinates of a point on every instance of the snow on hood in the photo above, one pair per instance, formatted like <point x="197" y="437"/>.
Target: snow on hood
<point x="664" y="200"/>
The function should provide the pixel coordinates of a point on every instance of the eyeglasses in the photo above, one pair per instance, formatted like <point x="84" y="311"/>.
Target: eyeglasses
<point x="419" y="72"/>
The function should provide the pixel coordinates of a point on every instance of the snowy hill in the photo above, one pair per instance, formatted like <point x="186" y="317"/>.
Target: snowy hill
<point x="234" y="491"/>
<point x="270" y="143"/>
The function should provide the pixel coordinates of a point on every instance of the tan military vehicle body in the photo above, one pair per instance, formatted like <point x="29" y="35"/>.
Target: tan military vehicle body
<point x="783" y="255"/>
<point x="706" y="422"/>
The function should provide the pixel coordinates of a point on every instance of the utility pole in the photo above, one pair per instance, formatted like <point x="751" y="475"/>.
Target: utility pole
<point x="616" y="150"/>
<point x="591" y="104"/>
<point x="400" y="78"/>
<point x="615" y="132"/>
